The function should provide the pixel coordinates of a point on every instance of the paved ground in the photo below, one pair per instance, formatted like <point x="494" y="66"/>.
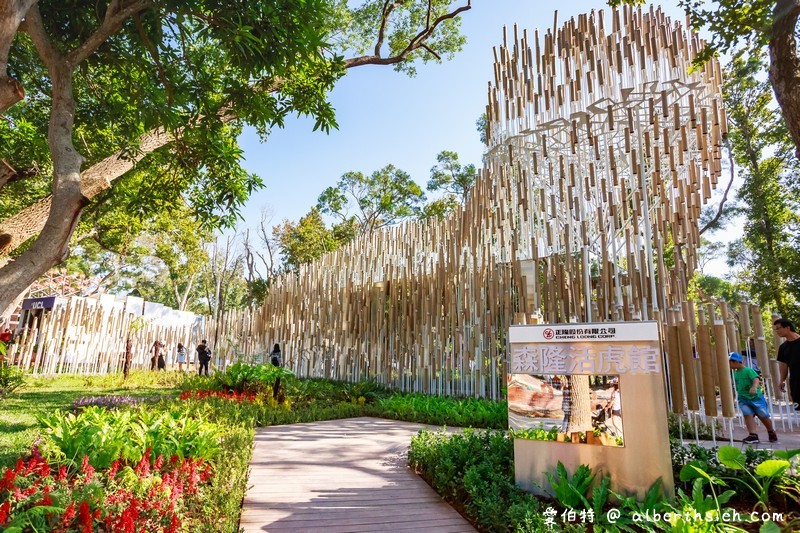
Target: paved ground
<point x="341" y="475"/>
<point x="351" y="475"/>
<point x="787" y="426"/>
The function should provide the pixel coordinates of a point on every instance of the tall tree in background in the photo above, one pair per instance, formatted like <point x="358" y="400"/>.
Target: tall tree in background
<point x="385" y="197"/>
<point x="762" y="148"/>
<point x="307" y="240"/>
<point x="176" y="81"/>
<point x="451" y="177"/>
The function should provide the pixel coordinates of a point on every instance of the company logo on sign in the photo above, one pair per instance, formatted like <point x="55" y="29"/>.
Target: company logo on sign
<point x="580" y="333"/>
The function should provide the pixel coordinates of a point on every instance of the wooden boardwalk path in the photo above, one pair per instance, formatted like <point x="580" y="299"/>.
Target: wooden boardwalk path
<point x="341" y="475"/>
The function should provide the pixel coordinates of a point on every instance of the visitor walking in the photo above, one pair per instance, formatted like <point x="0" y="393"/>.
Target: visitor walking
<point x="203" y="356"/>
<point x="751" y="399"/>
<point x="275" y="355"/>
<point x="789" y="358"/>
<point x="181" y="356"/>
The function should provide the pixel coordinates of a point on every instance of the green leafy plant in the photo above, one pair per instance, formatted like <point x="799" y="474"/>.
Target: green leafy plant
<point x="571" y="491"/>
<point x="631" y="506"/>
<point x="11" y="378"/>
<point x="766" y="473"/>
<point x="107" y="435"/>
<point x="537" y="433"/>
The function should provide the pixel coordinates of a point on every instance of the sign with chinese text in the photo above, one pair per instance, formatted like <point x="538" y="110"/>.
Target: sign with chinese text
<point x="568" y="387"/>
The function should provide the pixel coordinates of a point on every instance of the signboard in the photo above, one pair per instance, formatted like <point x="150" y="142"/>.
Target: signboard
<point x="589" y="394"/>
<point x="39" y="303"/>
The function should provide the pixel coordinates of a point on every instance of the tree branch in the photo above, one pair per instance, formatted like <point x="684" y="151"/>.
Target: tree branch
<point x="116" y="14"/>
<point x="11" y="14"/>
<point x="716" y="218"/>
<point x="385" y="13"/>
<point x="34" y="27"/>
<point x="7" y="172"/>
<point x="417" y="42"/>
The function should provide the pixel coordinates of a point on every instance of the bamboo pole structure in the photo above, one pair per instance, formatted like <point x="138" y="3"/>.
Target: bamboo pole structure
<point x="602" y="147"/>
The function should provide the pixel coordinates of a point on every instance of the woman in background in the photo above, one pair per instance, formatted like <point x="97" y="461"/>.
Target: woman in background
<point x="181" y="356"/>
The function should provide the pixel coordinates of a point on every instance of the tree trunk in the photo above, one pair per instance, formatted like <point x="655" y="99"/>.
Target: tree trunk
<point x="784" y="70"/>
<point x="17" y="229"/>
<point x="581" y="418"/>
<point x="50" y="248"/>
<point x="11" y="14"/>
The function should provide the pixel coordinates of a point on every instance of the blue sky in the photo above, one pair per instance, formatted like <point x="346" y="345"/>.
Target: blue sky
<point x="386" y="117"/>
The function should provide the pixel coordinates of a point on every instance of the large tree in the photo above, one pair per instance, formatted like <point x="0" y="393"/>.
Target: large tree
<point x="385" y="197"/>
<point x="112" y="83"/>
<point x="762" y="148"/>
<point x="308" y="239"/>
<point x="451" y="177"/>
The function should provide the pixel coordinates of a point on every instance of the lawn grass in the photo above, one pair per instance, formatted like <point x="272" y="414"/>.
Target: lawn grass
<point x="19" y="426"/>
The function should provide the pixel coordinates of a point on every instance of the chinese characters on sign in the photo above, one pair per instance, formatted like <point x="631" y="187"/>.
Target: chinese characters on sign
<point x="621" y="358"/>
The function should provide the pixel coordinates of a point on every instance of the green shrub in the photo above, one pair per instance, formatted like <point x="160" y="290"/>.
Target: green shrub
<point x="11" y="378"/>
<point x="476" y="469"/>
<point x="442" y="410"/>
<point x="107" y="435"/>
<point x="255" y="379"/>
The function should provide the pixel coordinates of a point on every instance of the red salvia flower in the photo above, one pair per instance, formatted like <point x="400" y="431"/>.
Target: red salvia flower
<point x="46" y="499"/>
<point x="5" y="511"/>
<point x="85" y="517"/>
<point x="69" y="514"/>
<point x="143" y="468"/>
<point x="113" y="470"/>
<point x="174" y="524"/>
<point x="62" y="473"/>
<point x="8" y="479"/>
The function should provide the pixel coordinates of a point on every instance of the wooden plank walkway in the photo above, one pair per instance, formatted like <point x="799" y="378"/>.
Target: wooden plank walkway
<point x="341" y="476"/>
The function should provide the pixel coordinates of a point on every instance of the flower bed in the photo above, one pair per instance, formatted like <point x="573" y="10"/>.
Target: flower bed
<point x="162" y="495"/>
<point x="226" y="395"/>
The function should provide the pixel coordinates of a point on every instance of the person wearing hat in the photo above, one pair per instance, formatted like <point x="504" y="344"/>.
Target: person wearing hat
<point x="751" y="399"/>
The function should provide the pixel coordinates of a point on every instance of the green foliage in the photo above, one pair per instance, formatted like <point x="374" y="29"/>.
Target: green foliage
<point x="538" y="433"/>
<point x="178" y="64"/>
<point x="11" y="377"/>
<point x="255" y="379"/>
<point x="476" y="469"/>
<point x="405" y="19"/>
<point x="571" y="491"/>
<point x="450" y="177"/>
<point x="105" y="436"/>
<point x="631" y="506"/>
<point x="307" y="240"/>
<point x="767" y="254"/>
<point x="384" y="198"/>
<point x="766" y="473"/>
<point x="719" y="288"/>
<point x="441" y="410"/>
